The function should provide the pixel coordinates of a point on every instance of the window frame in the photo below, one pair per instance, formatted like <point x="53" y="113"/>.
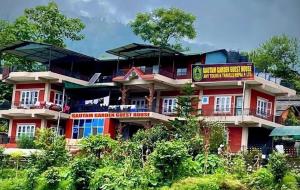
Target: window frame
<point x="205" y="98"/>
<point x="179" y="71"/>
<point x="220" y="110"/>
<point x="172" y="106"/>
<point x="31" y="102"/>
<point x="19" y="133"/>
<point x="83" y="127"/>
<point x="267" y="110"/>
<point x="58" y="101"/>
<point x="135" y="100"/>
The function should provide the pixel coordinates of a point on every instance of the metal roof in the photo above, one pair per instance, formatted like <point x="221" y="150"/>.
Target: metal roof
<point x="286" y="131"/>
<point x="42" y="52"/>
<point x="135" y="50"/>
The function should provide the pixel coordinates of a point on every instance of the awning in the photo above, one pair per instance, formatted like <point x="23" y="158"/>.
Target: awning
<point x="286" y="131"/>
<point x="135" y="50"/>
<point x="44" y="53"/>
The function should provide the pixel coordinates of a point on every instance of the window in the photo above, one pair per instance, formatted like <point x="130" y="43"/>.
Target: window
<point x="143" y="68"/>
<point x="61" y="130"/>
<point x="26" y="129"/>
<point x="169" y="105"/>
<point x="58" y="98"/>
<point x="181" y="71"/>
<point x="263" y="107"/>
<point x="139" y="103"/>
<point x="205" y="100"/>
<point x="29" y="97"/>
<point x="86" y="127"/>
<point x="222" y="104"/>
<point x="155" y="69"/>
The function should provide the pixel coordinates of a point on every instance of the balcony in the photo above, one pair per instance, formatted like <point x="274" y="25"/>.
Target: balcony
<point x="39" y="109"/>
<point x="249" y="117"/>
<point x="105" y="108"/>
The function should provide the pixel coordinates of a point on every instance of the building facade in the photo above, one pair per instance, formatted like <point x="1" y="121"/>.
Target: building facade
<point x="79" y="96"/>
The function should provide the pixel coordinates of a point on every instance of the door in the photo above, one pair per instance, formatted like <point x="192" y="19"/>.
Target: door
<point x="238" y="105"/>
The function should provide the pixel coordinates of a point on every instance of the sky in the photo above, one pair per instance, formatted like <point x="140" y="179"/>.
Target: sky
<point x="230" y="24"/>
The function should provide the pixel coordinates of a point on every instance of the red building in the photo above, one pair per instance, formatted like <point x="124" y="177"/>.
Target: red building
<point x="81" y="96"/>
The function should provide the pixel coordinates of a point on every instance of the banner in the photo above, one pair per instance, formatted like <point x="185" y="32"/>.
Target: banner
<point x="222" y="72"/>
<point x="92" y="115"/>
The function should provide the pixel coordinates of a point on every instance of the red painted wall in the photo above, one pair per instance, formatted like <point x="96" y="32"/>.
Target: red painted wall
<point x="235" y="138"/>
<point x="110" y="127"/>
<point x="253" y="102"/>
<point x="15" y="122"/>
<point x="51" y="96"/>
<point x="209" y="109"/>
<point x="30" y="86"/>
<point x="68" y="129"/>
<point x="19" y="87"/>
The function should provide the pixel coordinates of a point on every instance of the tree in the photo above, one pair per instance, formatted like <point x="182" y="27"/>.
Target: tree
<point x="162" y="26"/>
<point x="279" y="56"/>
<point x="41" y="24"/>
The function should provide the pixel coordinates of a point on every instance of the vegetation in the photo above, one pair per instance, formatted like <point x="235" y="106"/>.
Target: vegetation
<point x="164" y="26"/>
<point x="279" y="56"/>
<point x="40" y="24"/>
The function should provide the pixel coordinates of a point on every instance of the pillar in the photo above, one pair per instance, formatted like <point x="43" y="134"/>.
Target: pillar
<point x="245" y="133"/>
<point x="150" y="97"/>
<point x="47" y="92"/>
<point x="200" y="95"/>
<point x="123" y="91"/>
<point x="157" y="101"/>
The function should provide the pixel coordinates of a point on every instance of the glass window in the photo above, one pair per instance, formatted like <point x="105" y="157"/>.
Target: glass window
<point x="169" y="105"/>
<point x="87" y="127"/>
<point x="263" y="107"/>
<point x="29" y="97"/>
<point x="205" y="100"/>
<point x="26" y="129"/>
<point x="140" y="103"/>
<point x="222" y="103"/>
<point x="143" y="68"/>
<point x="58" y="98"/>
<point x="155" y="69"/>
<point x="181" y="71"/>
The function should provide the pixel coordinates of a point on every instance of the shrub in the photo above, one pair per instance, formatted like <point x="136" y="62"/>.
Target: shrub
<point x="278" y="165"/>
<point x="208" y="165"/>
<point x="168" y="157"/>
<point x="105" y="178"/>
<point x="239" y="166"/>
<point x="13" y="184"/>
<point x="97" y="144"/>
<point x="289" y="181"/>
<point x="261" y="179"/>
<point x="25" y="142"/>
<point x="52" y="177"/>
<point x="193" y="183"/>
<point x="81" y="170"/>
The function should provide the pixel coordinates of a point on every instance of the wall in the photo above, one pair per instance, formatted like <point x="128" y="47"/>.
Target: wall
<point x="15" y="122"/>
<point x="37" y="86"/>
<point x="208" y="109"/>
<point x="253" y="102"/>
<point x="215" y="58"/>
<point x="234" y="138"/>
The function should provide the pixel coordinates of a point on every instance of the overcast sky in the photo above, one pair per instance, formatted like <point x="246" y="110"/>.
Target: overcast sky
<point x="230" y="24"/>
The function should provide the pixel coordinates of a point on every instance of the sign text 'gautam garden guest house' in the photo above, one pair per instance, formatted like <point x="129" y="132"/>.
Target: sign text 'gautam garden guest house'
<point x="222" y="72"/>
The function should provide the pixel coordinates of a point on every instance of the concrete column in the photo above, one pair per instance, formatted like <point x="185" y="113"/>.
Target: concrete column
<point x="13" y="96"/>
<point x="274" y="107"/>
<point x="47" y="92"/>
<point x="247" y="101"/>
<point x="44" y="123"/>
<point x="245" y="133"/>
<point x="10" y="127"/>
<point x="200" y="99"/>
<point x="157" y="101"/>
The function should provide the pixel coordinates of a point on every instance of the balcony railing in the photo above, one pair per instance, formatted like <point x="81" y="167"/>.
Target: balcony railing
<point x="4" y="139"/>
<point x="40" y="105"/>
<point x="149" y="70"/>
<point x="5" y="105"/>
<point x="237" y="112"/>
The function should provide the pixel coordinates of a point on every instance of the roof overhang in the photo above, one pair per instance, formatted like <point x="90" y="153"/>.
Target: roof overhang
<point x="136" y="50"/>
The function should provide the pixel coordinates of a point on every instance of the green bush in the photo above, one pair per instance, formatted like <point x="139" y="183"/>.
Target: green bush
<point x="105" y="178"/>
<point x="13" y="184"/>
<point x="52" y="177"/>
<point x="262" y="179"/>
<point x="208" y="165"/>
<point x="81" y="170"/>
<point x="97" y="144"/>
<point x="168" y="157"/>
<point x="290" y="182"/>
<point x="239" y="166"/>
<point x="195" y="183"/>
<point x="278" y="165"/>
<point x="25" y="142"/>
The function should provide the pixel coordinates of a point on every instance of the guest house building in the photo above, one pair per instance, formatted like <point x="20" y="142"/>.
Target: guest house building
<point x="78" y="96"/>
